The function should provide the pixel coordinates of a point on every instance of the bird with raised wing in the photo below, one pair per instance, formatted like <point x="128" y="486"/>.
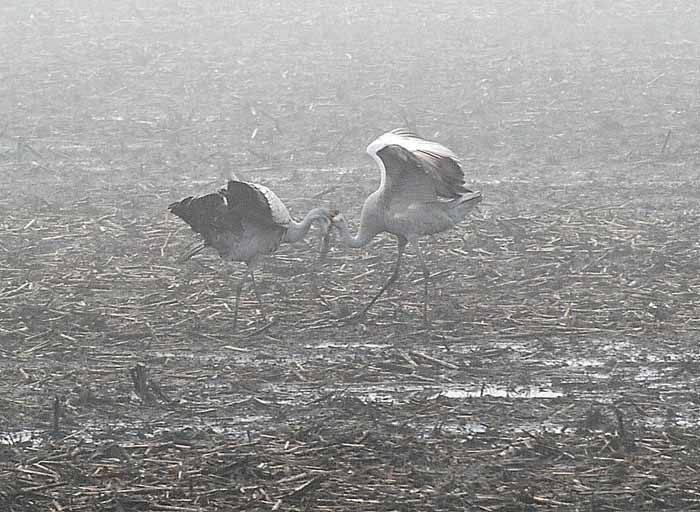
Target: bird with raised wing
<point x="243" y="222"/>
<point x="422" y="192"/>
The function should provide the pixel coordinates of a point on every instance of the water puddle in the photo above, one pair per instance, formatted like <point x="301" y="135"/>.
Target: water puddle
<point x="203" y="357"/>
<point x="600" y="369"/>
<point x="503" y="392"/>
<point x="397" y="394"/>
<point x="75" y="148"/>
<point x="22" y="438"/>
<point x="585" y="362"/>
<point x="332" y="345"/>
<point x="645" y="374"/>
<point x="468" y="429"/>
<point x="242" y="424"/>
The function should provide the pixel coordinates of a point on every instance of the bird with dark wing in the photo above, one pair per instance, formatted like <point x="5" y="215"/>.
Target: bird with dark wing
<point x="421" y="192"/>
<point x="244" y="222"/>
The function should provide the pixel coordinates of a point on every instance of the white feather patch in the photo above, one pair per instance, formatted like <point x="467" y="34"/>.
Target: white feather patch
<point x="278" y="211"/>
<point x="411" y="143"/>
<point x="377" y="145"/>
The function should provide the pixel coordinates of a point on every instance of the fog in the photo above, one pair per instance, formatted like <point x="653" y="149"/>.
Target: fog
<point x="561" y="358"/>
<point x="509" y="86"/>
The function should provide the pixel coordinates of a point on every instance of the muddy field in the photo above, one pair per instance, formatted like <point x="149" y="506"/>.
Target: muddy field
<point x="561" y="371"/>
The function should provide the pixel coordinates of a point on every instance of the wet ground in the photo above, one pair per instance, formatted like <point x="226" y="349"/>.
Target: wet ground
<point x="561" y="368"/>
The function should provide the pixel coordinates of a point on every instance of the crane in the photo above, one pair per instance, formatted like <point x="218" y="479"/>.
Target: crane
<point x="422" y="192"/>
<point x="243" y="222"/>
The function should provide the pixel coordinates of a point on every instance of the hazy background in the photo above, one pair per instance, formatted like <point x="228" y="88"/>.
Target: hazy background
<point x="175" y="89"/>
<point x="562" y="367"/>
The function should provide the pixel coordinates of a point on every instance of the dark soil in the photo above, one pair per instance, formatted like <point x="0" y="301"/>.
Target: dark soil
<point x="562" y="367"/>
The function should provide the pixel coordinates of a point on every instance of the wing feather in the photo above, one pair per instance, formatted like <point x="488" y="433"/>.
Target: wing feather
<point x="433" y="159"/>
<point x="229" y="209"/>
<point x="204" y="214"/>
<point x="254" y="202"/>
<point x="406" y="180"/>
<point x="246" y="203"/>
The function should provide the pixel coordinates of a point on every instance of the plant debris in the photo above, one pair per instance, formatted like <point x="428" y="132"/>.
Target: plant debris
<point x="561" y="368"/>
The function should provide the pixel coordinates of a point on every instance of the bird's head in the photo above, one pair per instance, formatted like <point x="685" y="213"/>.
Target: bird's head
<point x="332" y="214"/>
<point x="338" y="219"/>
<point x="324" y="216"/>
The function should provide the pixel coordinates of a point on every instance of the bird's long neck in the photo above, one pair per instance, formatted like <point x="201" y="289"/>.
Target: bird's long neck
<point x="362" y="238"/>
<point x="298" y="230"/>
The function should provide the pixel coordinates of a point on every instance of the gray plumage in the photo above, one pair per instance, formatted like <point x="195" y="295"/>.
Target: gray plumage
<point x="244" y="222"/>
<point x="422" y="192"/>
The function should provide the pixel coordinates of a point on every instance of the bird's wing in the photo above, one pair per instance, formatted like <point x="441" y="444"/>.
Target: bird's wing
<point x="204" y="214"/>
<point x="405" y="179"/>
<point x="421" y="156"/>
<point x="256" y="202"/>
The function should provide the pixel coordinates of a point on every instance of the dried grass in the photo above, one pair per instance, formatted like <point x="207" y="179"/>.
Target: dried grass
<point x="561" y="369"/>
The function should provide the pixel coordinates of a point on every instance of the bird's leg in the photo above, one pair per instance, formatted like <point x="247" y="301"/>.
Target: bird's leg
<point x="426" y="277"/>
<point x="255" y="289"/>
<point x="401" y="245"/>
<point x="239" y="289"/>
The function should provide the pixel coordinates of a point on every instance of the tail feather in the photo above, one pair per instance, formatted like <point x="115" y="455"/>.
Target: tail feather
<point x="464" y="204"/>
<point x="201" y="213"/>
<point x="470" y="197"/>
